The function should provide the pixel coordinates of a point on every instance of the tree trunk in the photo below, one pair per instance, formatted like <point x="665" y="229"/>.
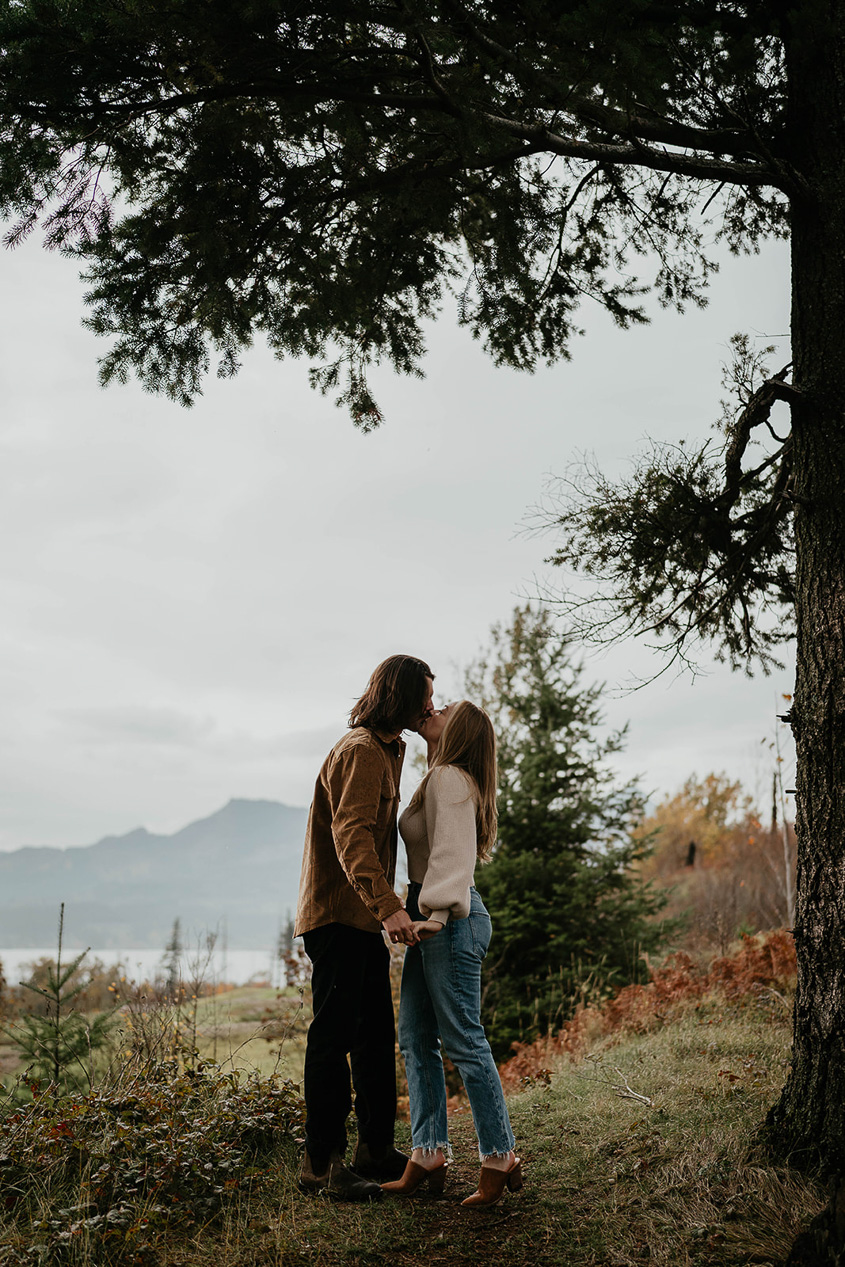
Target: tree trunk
<point x="807" y="1125"/>
<point x="823" y="1243"/>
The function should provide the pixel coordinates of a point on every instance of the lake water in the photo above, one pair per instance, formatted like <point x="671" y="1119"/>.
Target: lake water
<point x="237" y="967"/>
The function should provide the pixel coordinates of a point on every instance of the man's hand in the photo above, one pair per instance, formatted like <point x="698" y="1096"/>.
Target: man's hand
<point x="400" y="929"/>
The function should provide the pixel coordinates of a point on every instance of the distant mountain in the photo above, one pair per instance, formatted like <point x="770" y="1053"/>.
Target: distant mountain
<point x="237" y="869"/>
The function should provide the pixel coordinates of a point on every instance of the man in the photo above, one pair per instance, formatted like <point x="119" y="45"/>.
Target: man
<point x="346" y="898"/>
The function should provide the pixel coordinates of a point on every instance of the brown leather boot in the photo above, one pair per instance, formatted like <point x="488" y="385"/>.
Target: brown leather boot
<point x="381" y="1165"/>
<point x="492" y="1184"/>
<point x="337" y="1181"/>
<point x="414" y="1177"/>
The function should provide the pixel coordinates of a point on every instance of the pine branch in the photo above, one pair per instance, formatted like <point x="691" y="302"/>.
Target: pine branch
<point x="540" y="140"/>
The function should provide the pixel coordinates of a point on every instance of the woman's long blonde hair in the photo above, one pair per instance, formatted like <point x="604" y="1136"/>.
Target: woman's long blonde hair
<point x="469" y="742"/>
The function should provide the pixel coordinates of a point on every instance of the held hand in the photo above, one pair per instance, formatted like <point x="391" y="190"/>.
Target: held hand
<point x="425" y="928"/>
<point x="400" y="929"/>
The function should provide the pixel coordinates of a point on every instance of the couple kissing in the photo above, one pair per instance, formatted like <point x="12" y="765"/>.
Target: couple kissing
<point x="347" y="902"/>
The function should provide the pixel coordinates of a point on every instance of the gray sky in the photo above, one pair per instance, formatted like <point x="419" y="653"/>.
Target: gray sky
<point x="192" y="599"/>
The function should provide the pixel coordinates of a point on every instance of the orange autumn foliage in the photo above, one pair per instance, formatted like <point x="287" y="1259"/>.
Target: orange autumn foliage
<point x="763" y="963"/>
<point x="723" y="870"/>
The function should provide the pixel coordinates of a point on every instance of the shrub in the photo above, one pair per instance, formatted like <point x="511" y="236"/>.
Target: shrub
<point x="103" y="1176"/>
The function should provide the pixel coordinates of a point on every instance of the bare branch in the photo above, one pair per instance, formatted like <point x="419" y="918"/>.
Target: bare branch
<point x="635" y="154"/>
<point x="754" y="414"/>
<point x="622" y="1088"/>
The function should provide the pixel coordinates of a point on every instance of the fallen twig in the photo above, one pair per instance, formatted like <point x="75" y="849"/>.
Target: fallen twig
<point x="624" y="1091"/>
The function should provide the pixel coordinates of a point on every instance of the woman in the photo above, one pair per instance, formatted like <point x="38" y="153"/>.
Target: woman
<point x="450" y="824"/>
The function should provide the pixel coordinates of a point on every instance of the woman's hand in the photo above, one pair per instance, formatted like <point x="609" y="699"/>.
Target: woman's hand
<point x="425" y="928"/>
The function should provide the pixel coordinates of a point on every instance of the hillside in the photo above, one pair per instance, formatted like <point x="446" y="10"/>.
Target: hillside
<point x="238" y="867"/>
<point x="638" y="1129"/>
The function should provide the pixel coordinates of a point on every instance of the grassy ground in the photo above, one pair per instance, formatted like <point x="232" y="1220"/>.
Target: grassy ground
<point x="254" y="1027"/>
<point x="610" y="1179"/>
<point x="641" y="1152"/>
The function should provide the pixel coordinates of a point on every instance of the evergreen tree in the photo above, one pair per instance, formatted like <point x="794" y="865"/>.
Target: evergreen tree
<point x="569" y="913"/>
<point x="57" y="1047"/>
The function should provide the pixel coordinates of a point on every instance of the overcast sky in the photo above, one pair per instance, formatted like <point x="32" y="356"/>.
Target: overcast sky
<point x="193" y="598"/>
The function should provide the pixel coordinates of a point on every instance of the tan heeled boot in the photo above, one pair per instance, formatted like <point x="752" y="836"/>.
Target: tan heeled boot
<point x="414" y="1177"/>
<point x="493" y="1182"/>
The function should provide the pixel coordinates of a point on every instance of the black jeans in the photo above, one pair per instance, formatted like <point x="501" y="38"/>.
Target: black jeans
<point x="353" y="1016"/>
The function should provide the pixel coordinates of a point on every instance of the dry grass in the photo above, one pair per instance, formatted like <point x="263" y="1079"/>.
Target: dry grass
<point x="679" y="1181"/>
<point x="255" y="1027"/>
<point x="610" y="1181"/>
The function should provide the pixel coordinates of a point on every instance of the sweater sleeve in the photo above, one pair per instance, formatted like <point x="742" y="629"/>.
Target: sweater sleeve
<point x="450" y="825"/>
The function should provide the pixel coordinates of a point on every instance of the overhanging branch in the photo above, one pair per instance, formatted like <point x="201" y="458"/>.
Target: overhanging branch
<point x="636" y="154"/>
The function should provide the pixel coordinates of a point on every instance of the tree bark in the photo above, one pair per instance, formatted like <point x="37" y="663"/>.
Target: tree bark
<point x="807" y="1125"/>
<point x="823" y="1243"/>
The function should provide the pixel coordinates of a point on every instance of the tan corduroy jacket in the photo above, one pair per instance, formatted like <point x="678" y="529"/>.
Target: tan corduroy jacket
<point x="349" y="863"/>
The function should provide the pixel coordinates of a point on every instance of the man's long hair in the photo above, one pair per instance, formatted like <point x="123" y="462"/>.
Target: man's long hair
<point x="469" y="742"/>
<point x="395" y="696"/>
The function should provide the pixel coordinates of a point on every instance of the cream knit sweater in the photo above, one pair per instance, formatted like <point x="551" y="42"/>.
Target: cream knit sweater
<point x="440" y="839"/>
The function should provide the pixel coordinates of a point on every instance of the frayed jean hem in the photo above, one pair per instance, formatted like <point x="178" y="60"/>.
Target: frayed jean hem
<point x="430" y="1150"/>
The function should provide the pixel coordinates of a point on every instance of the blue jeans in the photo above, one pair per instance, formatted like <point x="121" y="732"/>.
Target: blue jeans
<point x="441" y="1000"/>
